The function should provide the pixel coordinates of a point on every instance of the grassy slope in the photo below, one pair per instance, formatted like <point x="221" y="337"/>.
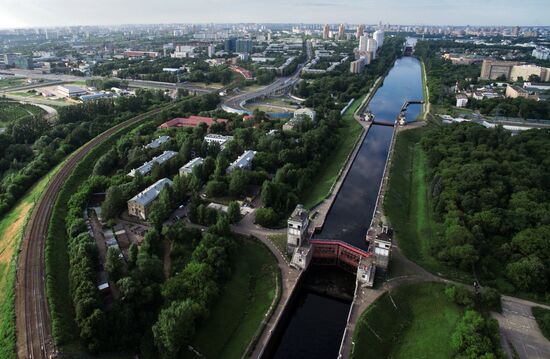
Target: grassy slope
<point x="347" y="138"/>
<point x="408" y="205"/>
<point x="11" y="230"/>
<point x="13" y="111"/>
<point x="420" y="327"/>
<point x="243" y="303"/>
<point x="543" y="320"/>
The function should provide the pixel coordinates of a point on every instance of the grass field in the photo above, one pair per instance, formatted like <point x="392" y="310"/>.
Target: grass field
<point x="11" y="82"/>
<point x="418" y="326"/>
<point x="13" y="111"/>
<point x="11" y="230"/>
<point x="347" y="138"/>
<point x="408" y="204"/>
<point x="243" y="303"/>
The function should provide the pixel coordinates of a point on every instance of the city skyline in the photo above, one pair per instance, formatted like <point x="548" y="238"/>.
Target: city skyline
<point x="51" y="13"/>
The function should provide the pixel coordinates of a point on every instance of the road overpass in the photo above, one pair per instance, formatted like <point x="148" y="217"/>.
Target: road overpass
<point x="235" y="104"/>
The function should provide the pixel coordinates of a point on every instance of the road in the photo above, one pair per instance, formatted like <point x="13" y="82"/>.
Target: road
<point x="235" y="103"/>
<point x="34" y="339"/>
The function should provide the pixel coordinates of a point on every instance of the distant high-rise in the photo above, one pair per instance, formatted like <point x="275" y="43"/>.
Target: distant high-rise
<point x="363" y="43"/>
<point x="379" y="37"/>
<point x="341" y="31"/>
<point x="230" y="45"/>
<point x="372" y="46"/>
<point x="326" y="32"/>
<point x="515" y="31"/>
<point x="211" y="50"/>
<point x="243" y="46"/>
<point x="360" y="31"/>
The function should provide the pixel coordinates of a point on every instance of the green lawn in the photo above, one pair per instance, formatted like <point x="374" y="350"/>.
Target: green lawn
<point x="244" y="302"/>
<point x="327" y="176"/>
<point x="11" y="230"/>
<point x="279" y="240"/>
<point x="11" y="82"/>
<point x="420" y="326"/>
<point x="408" y="204"/>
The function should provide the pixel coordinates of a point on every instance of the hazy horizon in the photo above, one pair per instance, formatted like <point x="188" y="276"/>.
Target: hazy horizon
<point x="54" y="13"/>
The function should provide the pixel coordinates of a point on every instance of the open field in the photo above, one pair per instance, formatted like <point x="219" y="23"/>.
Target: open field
<point x="347" y="138"/>
<point x="418" y="325"/>
<point x="11" y="230"/>
<point x="408" y="204"/>
<point x="11" y="82"/>
<point x="243" y="303"/>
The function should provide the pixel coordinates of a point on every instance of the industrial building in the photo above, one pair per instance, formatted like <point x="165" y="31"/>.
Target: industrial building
<point x="71" y="91"/>
<point x="146" y="168"/>
<point x="139" y="205"/>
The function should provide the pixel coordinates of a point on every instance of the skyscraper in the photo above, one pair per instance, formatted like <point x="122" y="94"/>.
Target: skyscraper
<point x="326" y="32"/>
<point x="360" y="31"/>
<point x="341" y="32"/>
<point x="363" y="43"/>
<point x="243" y="46"/>
<point x="379" y="37"/>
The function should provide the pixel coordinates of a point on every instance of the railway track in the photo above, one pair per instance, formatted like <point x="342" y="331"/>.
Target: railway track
<point x="34" y="339"/>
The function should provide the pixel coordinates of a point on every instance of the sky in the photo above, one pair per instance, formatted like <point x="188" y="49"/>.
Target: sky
<point x="39" y="13"/>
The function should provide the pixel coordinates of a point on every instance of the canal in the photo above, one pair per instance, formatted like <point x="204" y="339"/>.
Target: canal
<point x="317" y="322"/>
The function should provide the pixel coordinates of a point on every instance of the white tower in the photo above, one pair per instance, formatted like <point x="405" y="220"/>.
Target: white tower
<point x="379" y="37"/>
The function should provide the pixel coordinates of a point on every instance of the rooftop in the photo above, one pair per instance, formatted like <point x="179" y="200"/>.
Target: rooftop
<point x="299" y="214"/>
<point x="147" y="166"/>
<point x="188" y="167"/>
<point x="157" y="142"/>
<point x="192" y="121"/>
<point x="149" y="194"/>
<point x="244" y="161"/>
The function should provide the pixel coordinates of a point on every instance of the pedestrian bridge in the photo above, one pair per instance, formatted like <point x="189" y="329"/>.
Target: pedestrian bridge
<point x="331" y="252"/>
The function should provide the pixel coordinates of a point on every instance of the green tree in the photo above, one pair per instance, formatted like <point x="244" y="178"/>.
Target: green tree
<point x="234" y="212"/>
<point x="175" y="327"/>
<point x="113" y="264"/>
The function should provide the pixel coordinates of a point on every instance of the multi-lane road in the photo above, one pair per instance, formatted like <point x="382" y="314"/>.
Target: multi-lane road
<point x="236" y="103"/>
<point x="34" y="336"/>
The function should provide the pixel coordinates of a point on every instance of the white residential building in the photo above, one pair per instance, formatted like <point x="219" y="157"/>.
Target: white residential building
<point x="188" y="167"/>
<point x="140" y="204"/>
<point x="156" y="143"/>
<point x="244" y="162"/>
<point x="219" y="139"/>
<point x="145" y="168"/>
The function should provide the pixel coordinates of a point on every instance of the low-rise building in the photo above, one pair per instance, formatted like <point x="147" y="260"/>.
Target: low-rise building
<point x="140" y="204"/>
<point x="136" y="54"/>
<point x="188" y="167"/>
<point x="513" y="91"/>
<point x="299" y="116"/>
<point x="461" y="100"/>
<point x="192" y="121"/>
<point x="145" y="168"/>
<point x="96" y="96"/>
<point x="71" y="91"/>
<point x="219" y="139"/>
<point x="244" y="162"/>
<point x="541" y="53"/>
<point x="157" y="142"/>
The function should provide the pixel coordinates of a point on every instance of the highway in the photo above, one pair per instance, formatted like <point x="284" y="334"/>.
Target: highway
<point x="235" y="103"/>
<point x="34" y="337"/>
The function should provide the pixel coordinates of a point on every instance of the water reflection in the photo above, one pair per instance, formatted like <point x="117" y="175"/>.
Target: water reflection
<point x="352" y="210"/>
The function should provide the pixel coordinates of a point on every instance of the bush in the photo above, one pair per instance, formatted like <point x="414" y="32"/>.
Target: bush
<point x="543" y="320"/>
<point x="266" y="217"/>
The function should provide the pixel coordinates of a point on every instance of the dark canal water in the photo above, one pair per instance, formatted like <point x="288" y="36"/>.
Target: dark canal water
<point x="317" y="322"/>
